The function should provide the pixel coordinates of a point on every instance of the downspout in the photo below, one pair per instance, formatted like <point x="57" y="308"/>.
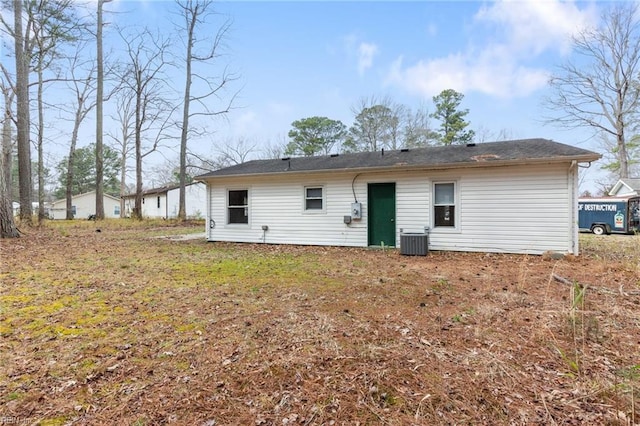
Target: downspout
<point x="209" y="224"/>
<point x="573" y="180"/>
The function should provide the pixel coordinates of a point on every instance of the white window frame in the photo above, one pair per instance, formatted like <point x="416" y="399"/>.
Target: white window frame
<point x="247" y="207"/>
<point x="456" y="206"/>
<point x="323" y="199"/>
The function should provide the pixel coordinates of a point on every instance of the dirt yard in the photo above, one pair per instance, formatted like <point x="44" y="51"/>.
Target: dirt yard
<point x="134" y="326"/>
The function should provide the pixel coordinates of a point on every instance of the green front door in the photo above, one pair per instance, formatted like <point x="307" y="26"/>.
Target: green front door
<point x="382" y="214"/>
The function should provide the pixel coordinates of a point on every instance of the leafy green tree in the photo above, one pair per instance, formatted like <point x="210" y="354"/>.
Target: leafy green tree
<point x="84" y="177"/>
<point x="452" y="124"/>
<point x="315" y="135"/>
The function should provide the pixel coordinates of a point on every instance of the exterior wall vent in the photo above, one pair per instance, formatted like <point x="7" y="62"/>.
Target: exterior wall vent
<point x="414" y="244"/>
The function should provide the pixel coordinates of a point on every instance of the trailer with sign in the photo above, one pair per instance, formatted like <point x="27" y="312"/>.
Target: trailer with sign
<point x="619" y="215"/>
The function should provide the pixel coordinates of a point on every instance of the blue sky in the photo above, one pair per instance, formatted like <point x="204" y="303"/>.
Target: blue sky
<point x="298" y="59"/>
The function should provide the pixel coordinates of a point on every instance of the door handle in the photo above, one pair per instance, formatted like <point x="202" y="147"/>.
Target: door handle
<point x="393" y="220"/>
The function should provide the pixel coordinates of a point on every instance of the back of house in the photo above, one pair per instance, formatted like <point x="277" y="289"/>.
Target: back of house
<point x="511" y="196"/>
<point x="619" y="215"/>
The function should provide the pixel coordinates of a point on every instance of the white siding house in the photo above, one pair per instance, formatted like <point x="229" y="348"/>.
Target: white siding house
<point x="516" y="196"/>
<point x="84" y="205"/>
<point x="195" y="201"/>
<point x="625" y="188"/>
<point x="163" y="203"/>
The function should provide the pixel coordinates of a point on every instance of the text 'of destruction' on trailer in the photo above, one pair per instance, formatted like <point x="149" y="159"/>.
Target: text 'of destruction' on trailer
<point x="619" y="215"/>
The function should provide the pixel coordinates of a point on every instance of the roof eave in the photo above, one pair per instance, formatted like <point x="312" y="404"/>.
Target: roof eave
<point x="587" y="158"/>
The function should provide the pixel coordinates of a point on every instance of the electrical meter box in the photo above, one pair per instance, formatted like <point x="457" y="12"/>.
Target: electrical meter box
<point x="356" y="210"/>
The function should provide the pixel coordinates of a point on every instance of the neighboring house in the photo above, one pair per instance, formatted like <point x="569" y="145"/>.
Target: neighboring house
<point x="84" y="205"/>
<point x="195" y="200"/>
<point x="164" y="202"/>
<point x="154" y="203"/>
<point x="515" y="196"/>
<point x="625" y="187"/>
<point x="35" y="206"/>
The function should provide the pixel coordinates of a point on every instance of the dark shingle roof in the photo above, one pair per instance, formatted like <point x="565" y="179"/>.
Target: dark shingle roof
<point x="437" y="157"/>
<point x="158" y="190"/>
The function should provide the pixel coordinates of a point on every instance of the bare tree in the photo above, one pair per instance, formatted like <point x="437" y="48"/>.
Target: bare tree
<point x="146" y="56"/>
<point x="272" y="150"/>
<point x="235" y="152"/>
<point x="227" y="154"/>
<point x="99" y="113"/>
<point x="8" y="228"/>
<point x="8" y="95"/>
<point x="125" y="117"/>
<point x="44" y="27"/>
<point x="381" y="123"/>
<point x="22" y="113"/>
<point x="53" y="23"/>
<point x="83" y="89"/>
<point x="417" y="129"/>
<point x="194" y="15"/>
<point x="484" y="134"/>
<point x="378" y="124"/>
<point x="601" y="92"/>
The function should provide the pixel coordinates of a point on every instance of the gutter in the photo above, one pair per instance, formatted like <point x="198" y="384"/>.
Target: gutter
<point x="403" y="167"/>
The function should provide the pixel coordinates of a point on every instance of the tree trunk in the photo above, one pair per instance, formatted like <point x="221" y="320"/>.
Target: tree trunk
<point x="22" y="118"/>
<point x="182" y="210"/>
<point x="7" y="149"/>
<point x="71" y="162"/>
<point x="137" y="209"/>
<point x="621" y="144"/>
<point x="123" y="178"/>
<point x="40" y="144"/>
<point x="99" y="117"/>
<point x="7" y="225"/>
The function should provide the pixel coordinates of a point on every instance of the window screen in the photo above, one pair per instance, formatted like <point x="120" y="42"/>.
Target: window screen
<point x="238" y="206"/>
<point x="313" y="198"/>
<point x="444" y="205"/>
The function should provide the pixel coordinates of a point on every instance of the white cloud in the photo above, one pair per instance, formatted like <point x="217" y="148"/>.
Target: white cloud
<point x="366" y="52"/>
<point x="465" y="74"/>
<point x="363" y="52"/>
<point x="247" y="122"/>
<point x="432" y="29"/>
<point x="258" y="121"/>
<point x="505" y="65"/>
<point x="534" y="26"/>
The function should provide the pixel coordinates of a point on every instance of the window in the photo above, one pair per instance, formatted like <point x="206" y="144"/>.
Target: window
<point x="73" y="210"/>
<point x="444" y="205"/>
<point x="313" y="199"/>
<point x="116" y="210"/>
<point x="238" y="206"/>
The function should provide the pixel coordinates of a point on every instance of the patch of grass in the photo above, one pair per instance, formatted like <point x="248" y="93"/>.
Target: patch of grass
<point x="136" y="329"/>
<point x="441" y="285"/>
<point x="12" y="396"/>
<point x="630" y="373"/>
